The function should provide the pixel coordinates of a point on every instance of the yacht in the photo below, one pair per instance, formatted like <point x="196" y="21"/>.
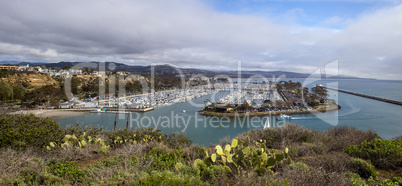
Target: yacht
<point x="284" y="117"/>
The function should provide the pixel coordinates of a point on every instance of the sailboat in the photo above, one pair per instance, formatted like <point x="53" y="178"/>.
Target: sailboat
<point x="267" y="125"/>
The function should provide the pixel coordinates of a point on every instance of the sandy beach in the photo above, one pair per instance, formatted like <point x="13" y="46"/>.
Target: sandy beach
<point x="53" y="114"/>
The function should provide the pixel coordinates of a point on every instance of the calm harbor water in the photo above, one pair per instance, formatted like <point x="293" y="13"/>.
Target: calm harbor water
<point x="362" y="113"/>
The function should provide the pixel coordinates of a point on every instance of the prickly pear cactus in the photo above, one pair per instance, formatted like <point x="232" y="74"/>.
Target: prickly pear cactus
<point x="250" y="156"/>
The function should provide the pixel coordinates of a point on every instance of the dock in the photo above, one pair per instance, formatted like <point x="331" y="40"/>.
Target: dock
<point x="129" y="109"/>
<point x="396" y="102"/>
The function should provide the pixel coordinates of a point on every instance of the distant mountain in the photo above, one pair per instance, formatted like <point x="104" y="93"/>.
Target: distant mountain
<point x="12" y="62"/>
<point x="167" y="70"/>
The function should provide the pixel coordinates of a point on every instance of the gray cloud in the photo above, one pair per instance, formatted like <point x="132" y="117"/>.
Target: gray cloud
<point x="191" y="34"/>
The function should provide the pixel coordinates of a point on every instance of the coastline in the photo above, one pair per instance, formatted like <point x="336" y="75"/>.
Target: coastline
<point x="52" y="113"/>
<point x="65" y="113"/>
<point x="268" y="113"/>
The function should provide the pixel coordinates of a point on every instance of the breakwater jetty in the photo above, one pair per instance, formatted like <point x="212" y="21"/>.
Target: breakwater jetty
<point x="396" y="102"/>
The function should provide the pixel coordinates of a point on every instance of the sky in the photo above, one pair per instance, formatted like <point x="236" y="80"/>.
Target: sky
<point x="288" y="35"/>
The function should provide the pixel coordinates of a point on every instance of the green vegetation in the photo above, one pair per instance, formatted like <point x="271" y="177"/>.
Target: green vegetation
<point x="365" y="169"/>
<point x="383" y="153"/>
<point x="37" y="152"/>
<point x="21" y="132"/>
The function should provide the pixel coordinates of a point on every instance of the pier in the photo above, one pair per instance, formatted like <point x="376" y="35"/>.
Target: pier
<point x="396" y="102"/>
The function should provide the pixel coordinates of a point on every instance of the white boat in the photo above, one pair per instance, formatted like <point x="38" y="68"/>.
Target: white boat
<point x="267" y="125"/>
<point x="284" y="117"/>
<point x="184" y="110"/>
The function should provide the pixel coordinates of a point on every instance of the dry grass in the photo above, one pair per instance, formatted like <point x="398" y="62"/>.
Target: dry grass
<point x="312" y="177"/>
<point x="344" y="136"/>
<point x="14" y="164"/>
<point x="331" y="162"/>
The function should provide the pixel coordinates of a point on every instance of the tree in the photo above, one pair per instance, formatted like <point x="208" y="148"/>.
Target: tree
<point x="65" y="67"/>
<point x="75" y="83"/>
<point x="5" y="91"/>
<point x="320" y="91"/>
<point x="45" y="94"/>
<point x="18" y="92"/>
<point x="245" y="106"/>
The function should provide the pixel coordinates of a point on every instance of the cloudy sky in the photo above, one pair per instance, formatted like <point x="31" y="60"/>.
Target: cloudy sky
<point x="289" y="35"/>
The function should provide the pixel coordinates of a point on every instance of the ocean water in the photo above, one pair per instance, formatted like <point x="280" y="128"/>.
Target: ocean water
<point x="362" y="113"/>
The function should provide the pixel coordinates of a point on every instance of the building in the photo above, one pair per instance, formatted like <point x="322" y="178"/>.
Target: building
<point x="90" y="104"/>
<point x="66" y="105"/>
<point x="10" y="67"/>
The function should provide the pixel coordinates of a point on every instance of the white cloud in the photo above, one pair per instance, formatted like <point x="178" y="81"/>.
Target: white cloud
<point x="191" y="34"/>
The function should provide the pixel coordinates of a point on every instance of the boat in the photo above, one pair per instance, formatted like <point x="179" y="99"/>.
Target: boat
<point x="284" y="117"/>
<point x="97" y="110"/>
<point x="267" y="125"/>
<point x="184" y="110"/>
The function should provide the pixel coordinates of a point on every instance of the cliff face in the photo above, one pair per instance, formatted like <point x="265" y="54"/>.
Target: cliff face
<point x="30" y="80"/>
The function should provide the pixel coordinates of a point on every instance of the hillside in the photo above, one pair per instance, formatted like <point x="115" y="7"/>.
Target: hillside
<point x="290" y="155"/>
<point x="167" y="70"/>
<point x="28" y="80"/>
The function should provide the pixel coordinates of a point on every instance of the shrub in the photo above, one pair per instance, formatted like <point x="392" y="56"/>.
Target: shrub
<point x="342" y="137"/>
<point x="177" y="140"/>
<point x="168" y="178"/>
<point x="122" y="136"/>
<point x="331" y="162"/>
<point x="385" y="154"/>
<point x="363" y="168"/>
<point x="398" y="138"/>
<point x="299" y="166"/>
<point x="312" y="177"/>
<point x="162" y="160"/>
<point x="356" y="180"/>
<point x="396" y="181"/>
<point x="281" y="137"/>
<point x="195" y="152"/>
<point x="22" y="131"/>
<point x="67" y="170"/>
<point x="307" y="149"/>
<point x="108" y="162"/>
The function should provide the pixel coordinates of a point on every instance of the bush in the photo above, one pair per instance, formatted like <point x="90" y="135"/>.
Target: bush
<point x="299" y="166"/>
<point x="281" y="137"/>
<point x="307" y="149"/>
<point x="168" y="178"/>
<point x="398" y="138"/>
<point x="162" y="160"/>
<point x="386" y="154"/>
<point x="396" y="181"/>
<point x="138" y="135"/>
<point x="331" y="162"/>
<point x="342" y="137"/>
<point x="356" y="180"/>
<point x="312" y="177"/>
<point x="363" y="168"/>
<point x="68" y="170"/>
<point x="22" y="131"/>
<point x="175" y="140"/>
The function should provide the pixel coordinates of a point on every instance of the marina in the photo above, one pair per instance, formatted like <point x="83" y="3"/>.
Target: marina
<point x="358" y="112"/>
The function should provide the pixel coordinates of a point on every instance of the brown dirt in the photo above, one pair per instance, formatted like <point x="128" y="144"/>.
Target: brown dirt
<point x="85" y="163"/>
